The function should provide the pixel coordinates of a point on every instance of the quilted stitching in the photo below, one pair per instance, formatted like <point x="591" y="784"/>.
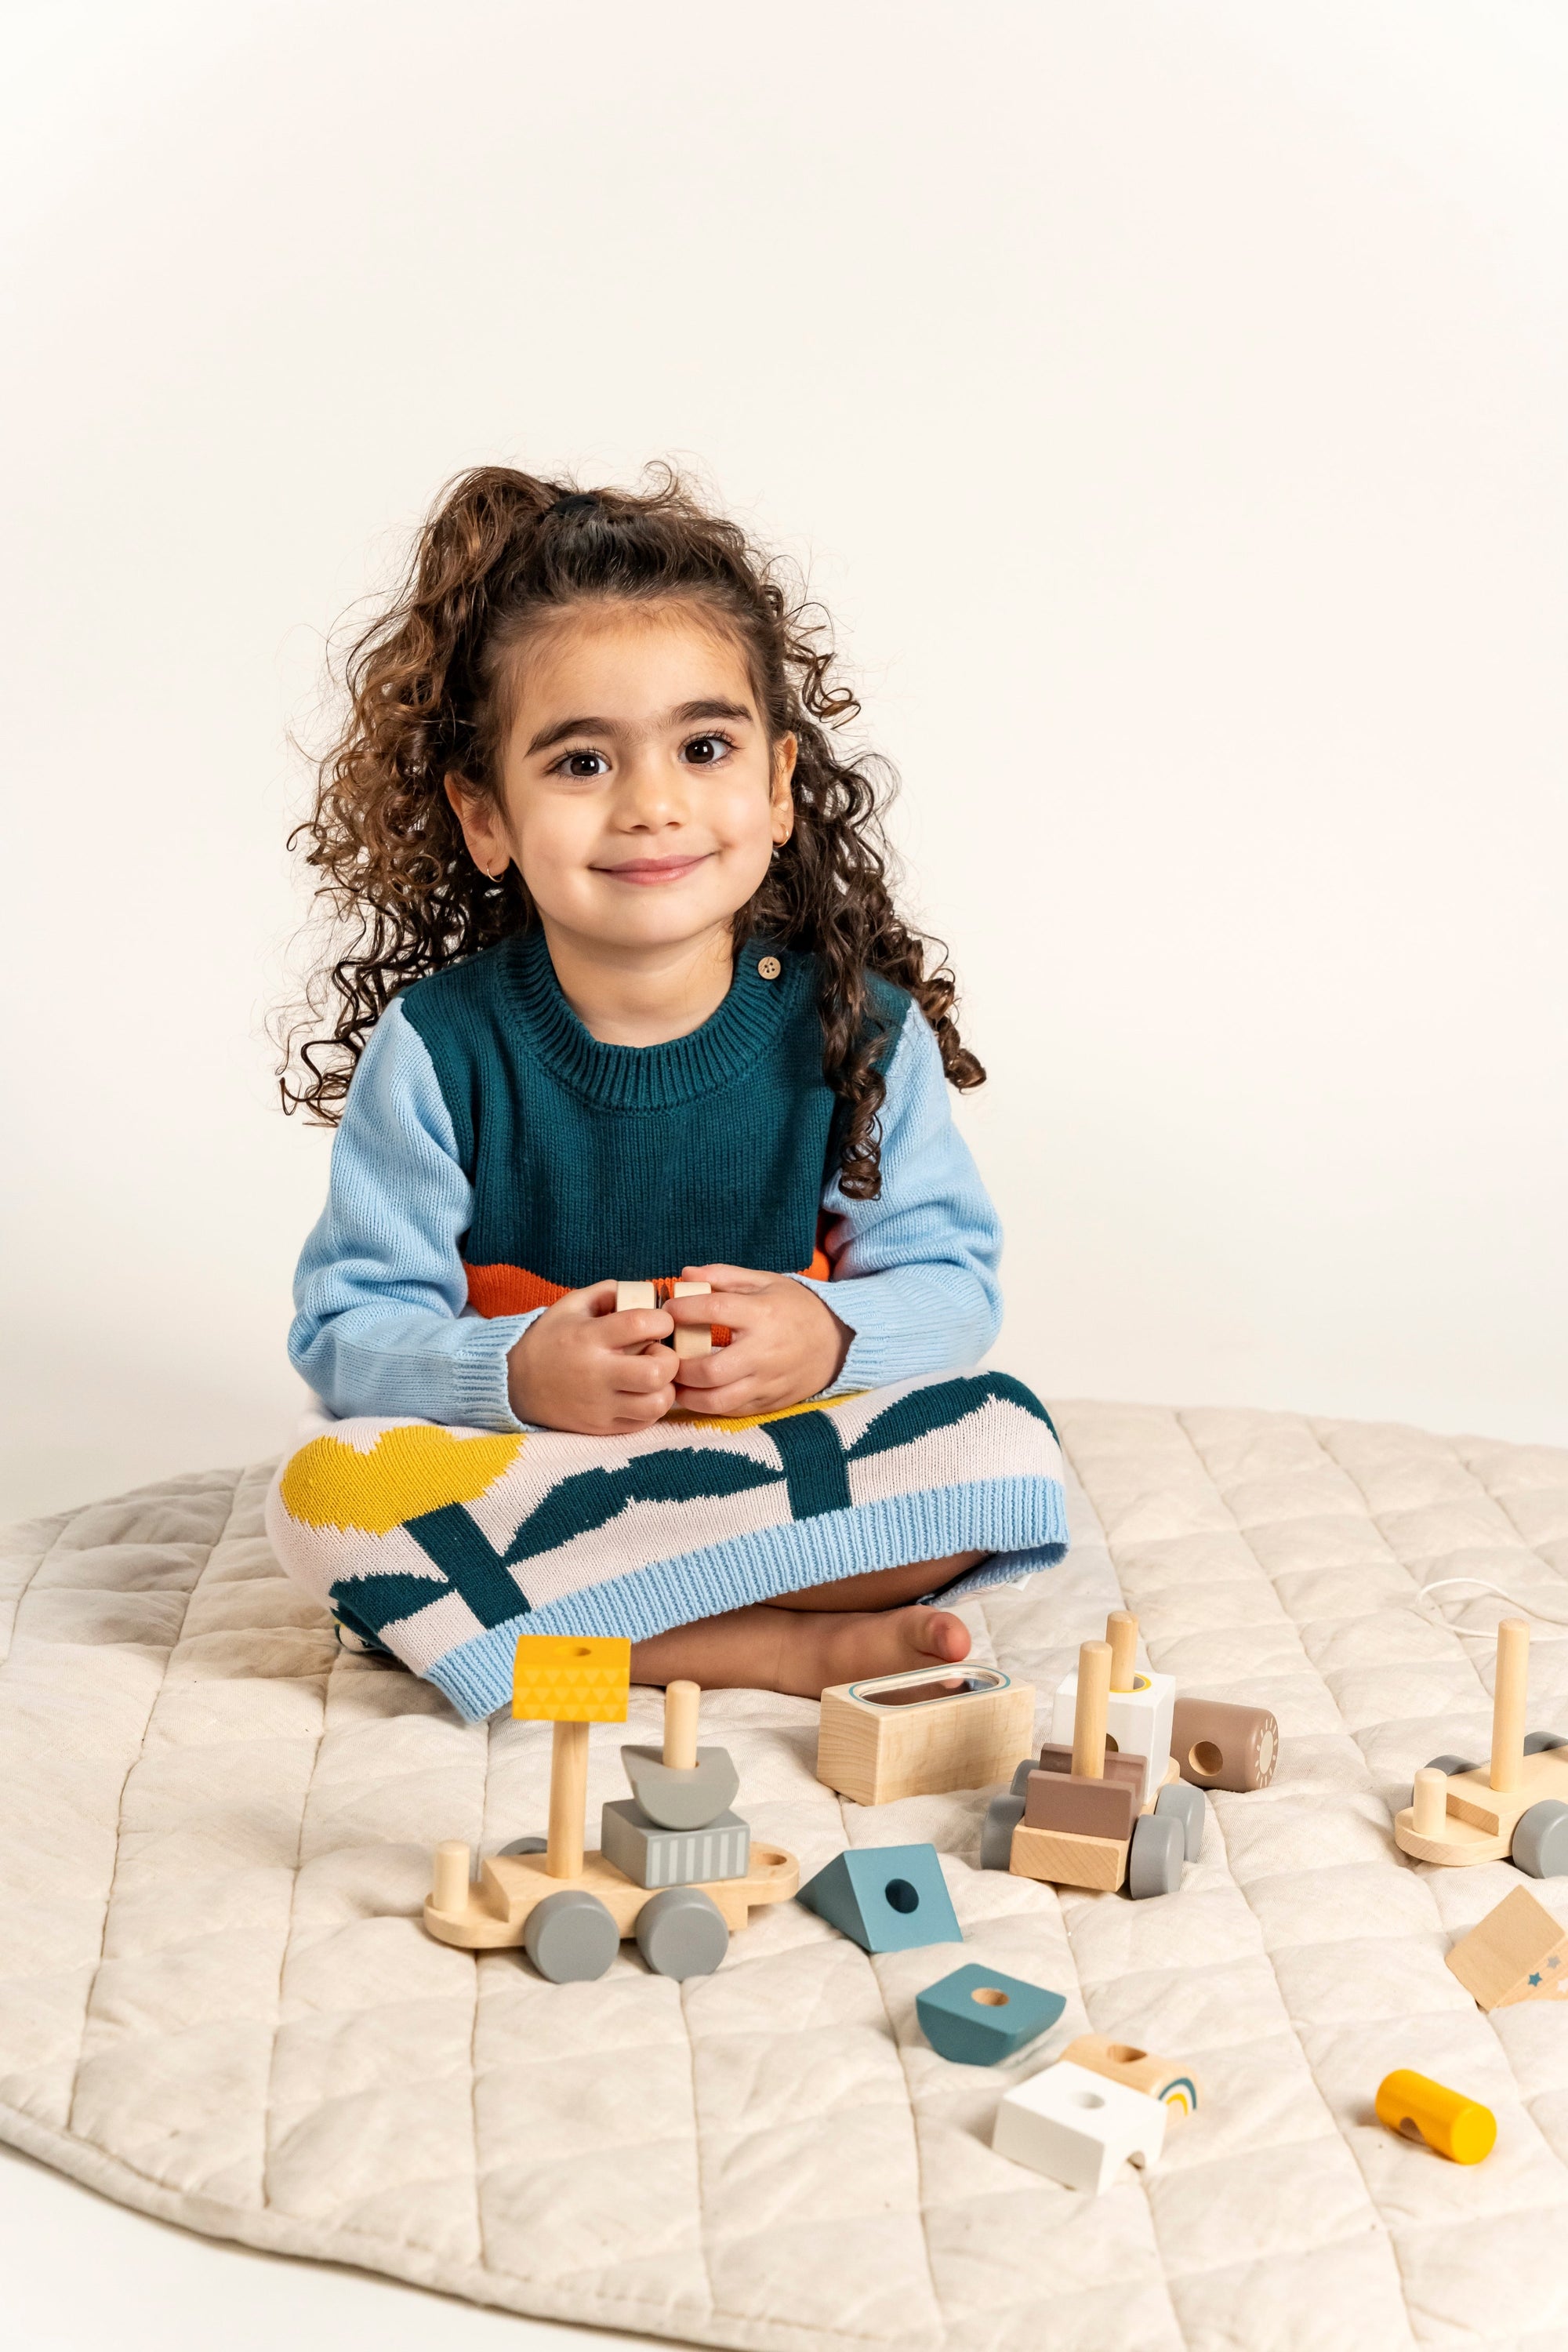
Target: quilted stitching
<point x="217" y="2004"/>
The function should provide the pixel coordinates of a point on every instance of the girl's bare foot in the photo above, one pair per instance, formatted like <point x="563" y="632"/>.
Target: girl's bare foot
<point x="794" y="1646"/>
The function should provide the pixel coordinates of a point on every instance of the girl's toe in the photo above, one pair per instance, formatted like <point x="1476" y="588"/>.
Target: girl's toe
<point x="941" y="1634"/>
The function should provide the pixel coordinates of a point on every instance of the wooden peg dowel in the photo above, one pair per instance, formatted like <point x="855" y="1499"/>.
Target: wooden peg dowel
<point x="1429" y="1802"/>
<point x="680" y="1701"/>
<point x="449" y="1888"/>
<point x="1508" y="1703"/>
<point x="1122" y="1632"/>
<point x="1088" y="1716"/>
<point x="568" y="1801"/>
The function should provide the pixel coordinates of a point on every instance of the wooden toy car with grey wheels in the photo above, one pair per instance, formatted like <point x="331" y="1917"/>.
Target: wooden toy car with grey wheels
<point x="1515" y="1807"/>
<point x="1110" y="1809"/>
<point x="675" y="1868"/>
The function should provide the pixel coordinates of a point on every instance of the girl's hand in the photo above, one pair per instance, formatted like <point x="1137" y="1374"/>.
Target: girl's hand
<point x="787" y="1343"/>
<point x="583" y="1367"/>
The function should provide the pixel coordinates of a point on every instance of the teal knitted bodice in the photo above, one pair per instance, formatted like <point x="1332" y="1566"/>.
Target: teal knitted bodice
<point x="588" y="1160"/>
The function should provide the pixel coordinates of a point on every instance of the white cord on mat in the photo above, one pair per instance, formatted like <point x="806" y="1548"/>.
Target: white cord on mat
<point x="1477" y="1632"/>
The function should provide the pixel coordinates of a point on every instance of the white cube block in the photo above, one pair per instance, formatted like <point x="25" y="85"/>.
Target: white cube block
<point x="1079" y="2128"/>
<point x="1138" y="1720"/>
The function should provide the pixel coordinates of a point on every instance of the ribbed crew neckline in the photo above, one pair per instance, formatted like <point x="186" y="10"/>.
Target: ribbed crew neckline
<point x="731" y="1042"/>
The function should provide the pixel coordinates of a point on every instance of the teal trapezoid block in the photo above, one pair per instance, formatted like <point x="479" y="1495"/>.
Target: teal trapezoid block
<point x="977" y="2016"/>
<point x="885" y="1898"/>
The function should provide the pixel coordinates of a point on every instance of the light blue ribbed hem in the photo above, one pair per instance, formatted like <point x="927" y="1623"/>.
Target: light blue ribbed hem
<point x="1023" y="1522"/>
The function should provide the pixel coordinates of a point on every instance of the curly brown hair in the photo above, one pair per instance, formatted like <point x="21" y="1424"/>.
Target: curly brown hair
<point x="500" y="552"/>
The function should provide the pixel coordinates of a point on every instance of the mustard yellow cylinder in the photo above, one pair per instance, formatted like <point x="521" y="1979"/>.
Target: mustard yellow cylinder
<point x="1458" y="2127"/>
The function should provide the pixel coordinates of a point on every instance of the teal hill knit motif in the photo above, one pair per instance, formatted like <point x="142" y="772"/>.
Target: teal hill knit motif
<point x="584" y="1156"/>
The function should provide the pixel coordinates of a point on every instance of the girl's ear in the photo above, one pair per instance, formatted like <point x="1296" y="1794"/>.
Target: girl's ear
<point x="781" y="801"/>
<point x="482" y="828"/>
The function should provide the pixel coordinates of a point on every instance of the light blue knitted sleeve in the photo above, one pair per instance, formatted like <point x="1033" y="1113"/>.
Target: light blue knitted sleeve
<point x="382" y="1325"/>
<point x="914" y="1272"/>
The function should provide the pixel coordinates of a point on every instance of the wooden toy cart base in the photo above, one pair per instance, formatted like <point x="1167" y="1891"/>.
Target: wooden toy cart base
<point x="1478" y="1822"/>
<point x="511" y="1885"/>
<point x="1063" y="1858"/>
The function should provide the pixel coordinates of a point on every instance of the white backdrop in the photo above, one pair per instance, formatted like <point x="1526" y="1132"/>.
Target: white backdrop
<point x="1168" y="400"/>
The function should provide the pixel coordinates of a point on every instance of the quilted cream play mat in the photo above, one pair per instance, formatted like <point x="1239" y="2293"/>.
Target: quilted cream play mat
<point x="217" y="2004"/>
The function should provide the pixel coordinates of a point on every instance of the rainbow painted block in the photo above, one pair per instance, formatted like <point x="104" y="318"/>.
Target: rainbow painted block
<point x="1168" y="2080"/>
<point x="571" y="1678"/>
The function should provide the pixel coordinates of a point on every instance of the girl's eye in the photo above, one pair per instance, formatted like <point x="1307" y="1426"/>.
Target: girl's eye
<point x="583" y="766"/>
<point x="708" y="751"/>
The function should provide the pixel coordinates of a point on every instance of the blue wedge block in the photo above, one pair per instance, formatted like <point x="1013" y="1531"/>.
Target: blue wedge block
<point x="885" y="1898"/>
<point x="978" y="2017"/>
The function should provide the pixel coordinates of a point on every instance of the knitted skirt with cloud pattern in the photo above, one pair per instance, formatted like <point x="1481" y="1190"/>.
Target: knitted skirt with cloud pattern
<point x="442" y="1545"/>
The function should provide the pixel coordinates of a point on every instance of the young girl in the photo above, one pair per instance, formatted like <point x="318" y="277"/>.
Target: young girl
<point x="627" y="996"/>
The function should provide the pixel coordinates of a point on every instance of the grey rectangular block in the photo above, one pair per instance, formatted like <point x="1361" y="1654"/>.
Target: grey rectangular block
<point x="651" y="1856"/>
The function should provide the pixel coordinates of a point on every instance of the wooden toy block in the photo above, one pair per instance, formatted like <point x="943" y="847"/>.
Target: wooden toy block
<point x="1165" y="2079"/>
<point x="689" y="1339"/>
<point x="922" y="1732"/>
<point x="1079" y="2127"/>
<point x="571" y="1678"/>
<point x="1220" y="1746"/>
<point x="681" y="1787"/>
<point x="494" y="1913"/>
<point x="885" y="1898"/>
<point x="1096" y="1809"/>
<point x="1127" y="1772"/>
<point x="692" y="1339"/>
<point x="1518" y="1952"/>
<point x="1146" y="1855"/>
<point x="652" y="1855"/>
<point x="1516" y="1805"/>
<point x="1459" y="2128"/>
<point x="977" y="2017"/>
<point x="1063" y="1860"/>
<point x="1138" y="1706"/>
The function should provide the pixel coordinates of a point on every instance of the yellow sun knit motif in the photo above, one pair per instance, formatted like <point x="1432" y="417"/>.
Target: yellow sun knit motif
<point x="407" y="1471"/>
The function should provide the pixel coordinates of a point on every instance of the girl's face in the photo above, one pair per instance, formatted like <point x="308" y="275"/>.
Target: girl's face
<point x="641" y="798"/>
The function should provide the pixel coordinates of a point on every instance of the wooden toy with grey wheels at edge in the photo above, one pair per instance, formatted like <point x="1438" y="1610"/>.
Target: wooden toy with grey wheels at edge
<point x="1070" y="1822"/>
<point x="1516" y="1806"/>
<point x="569" y="1909"/>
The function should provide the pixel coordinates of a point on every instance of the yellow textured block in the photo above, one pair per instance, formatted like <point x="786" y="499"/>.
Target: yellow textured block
<point x="572" y="1678"/>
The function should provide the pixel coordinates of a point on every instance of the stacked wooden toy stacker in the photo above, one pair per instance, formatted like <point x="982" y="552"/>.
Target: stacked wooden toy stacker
<point x="1516" y="1806"/>
<point x="675" y="1868"/>
<point x="1109" y="1808"/>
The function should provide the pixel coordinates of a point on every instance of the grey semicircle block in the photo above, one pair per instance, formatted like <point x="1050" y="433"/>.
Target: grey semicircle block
<point x="682" y="1799"/>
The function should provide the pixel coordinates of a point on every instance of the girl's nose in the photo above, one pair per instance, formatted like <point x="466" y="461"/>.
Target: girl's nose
<point x="652" y="793"/>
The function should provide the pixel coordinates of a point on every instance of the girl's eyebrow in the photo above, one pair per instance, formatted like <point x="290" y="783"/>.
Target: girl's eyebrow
<point x="682" y="715"/>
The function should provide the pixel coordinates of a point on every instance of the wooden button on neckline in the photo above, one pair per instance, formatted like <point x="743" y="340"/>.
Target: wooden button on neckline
<point x="770" y="968"/>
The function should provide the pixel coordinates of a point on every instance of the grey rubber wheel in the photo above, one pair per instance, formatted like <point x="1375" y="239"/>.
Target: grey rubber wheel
<point x="527" y="1845"/>
<point x="1003" y="1815"/>
<point x="1021" y="1777"/>
<point x="571" y="1937"/>
<point x="1541" y="1840"/>
<point x="1181" y="1802"/>
<point x="1155" y="1855"/>
<point x="681" y="1933"/>
<point x="1451" y="1764"/>
<point x="1536" y="1743"/>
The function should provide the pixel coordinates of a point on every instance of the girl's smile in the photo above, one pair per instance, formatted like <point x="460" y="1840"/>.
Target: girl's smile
<point x="644" y="871"/>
